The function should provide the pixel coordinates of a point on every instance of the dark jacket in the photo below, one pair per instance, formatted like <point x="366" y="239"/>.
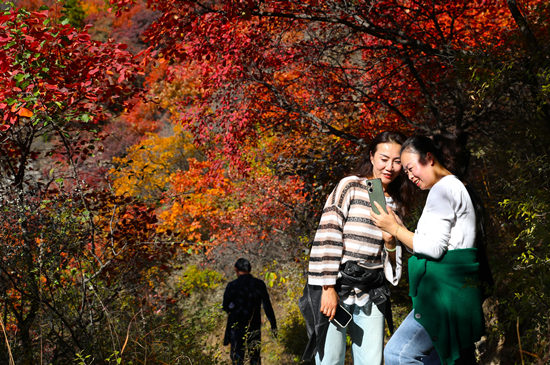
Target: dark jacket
<point x="242" y="300"/>
<point x="316" y="322"/>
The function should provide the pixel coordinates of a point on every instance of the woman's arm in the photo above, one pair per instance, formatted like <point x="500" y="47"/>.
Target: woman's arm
<point x="389" y="243"/>
<point x="327" y="249"/>
<point x="404" y="235"/>
<point x="390" y="223"/>
<point x="392" y="257"/>
<point x="433" y="231"/>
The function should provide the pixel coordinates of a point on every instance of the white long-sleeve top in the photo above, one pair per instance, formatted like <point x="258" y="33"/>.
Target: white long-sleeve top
<point x="448" y="221"/>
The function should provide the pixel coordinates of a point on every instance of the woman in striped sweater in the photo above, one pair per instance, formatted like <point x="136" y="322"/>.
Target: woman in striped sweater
<point x="347" y="236"/>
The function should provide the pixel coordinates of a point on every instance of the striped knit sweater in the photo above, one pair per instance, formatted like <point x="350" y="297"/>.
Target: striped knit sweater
<point x="346" y="232"/>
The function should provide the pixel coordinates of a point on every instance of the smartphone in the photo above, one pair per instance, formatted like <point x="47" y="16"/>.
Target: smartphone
<point x="342" y="317"/>
<point x="376" y="194"/>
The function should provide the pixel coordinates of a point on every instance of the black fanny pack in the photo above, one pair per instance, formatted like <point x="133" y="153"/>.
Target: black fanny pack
<point x="367" y="277"/>
<point x="360" y="275"/>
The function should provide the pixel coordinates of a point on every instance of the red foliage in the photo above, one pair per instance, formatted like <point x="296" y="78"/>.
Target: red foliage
<point x="211" y="205"/>
<point x="50" y="72"/>
<point x="348" y="71"/>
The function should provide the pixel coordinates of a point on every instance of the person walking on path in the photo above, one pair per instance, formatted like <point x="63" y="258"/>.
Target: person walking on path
<point x="444" y="271"/>
<point x="352" y="260"/>
<point x="242" y="300"/>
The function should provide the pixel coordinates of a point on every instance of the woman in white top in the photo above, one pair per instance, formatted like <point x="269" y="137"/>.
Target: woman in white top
<point x="444" y="269"/>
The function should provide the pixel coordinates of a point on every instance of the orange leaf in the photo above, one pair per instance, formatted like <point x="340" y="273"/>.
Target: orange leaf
<point x="24" y="112"/>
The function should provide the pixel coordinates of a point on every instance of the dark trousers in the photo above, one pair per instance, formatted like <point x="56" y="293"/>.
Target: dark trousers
<point x="245" y="342"/>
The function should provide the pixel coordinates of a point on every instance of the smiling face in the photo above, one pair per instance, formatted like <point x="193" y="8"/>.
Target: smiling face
<point x="386" y="162"/>
<point x="421" y="173"/>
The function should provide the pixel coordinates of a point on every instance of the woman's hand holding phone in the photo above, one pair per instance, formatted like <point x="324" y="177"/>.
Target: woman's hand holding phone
<point x="383" y="220"/>
<point x="329" y="301"/>
<point x="391" y="223"/>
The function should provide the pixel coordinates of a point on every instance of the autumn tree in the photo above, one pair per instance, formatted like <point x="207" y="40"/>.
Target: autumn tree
<point x="206" y="202"/>
<point x="509" y="88"/>
<point x="145" y="171"/>
<point x="70" y="250"/>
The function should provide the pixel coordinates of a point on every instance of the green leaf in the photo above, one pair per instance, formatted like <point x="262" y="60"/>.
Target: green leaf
<point x="10" y="44"/>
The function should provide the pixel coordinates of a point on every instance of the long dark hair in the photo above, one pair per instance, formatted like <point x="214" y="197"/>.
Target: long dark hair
<point x="401" y="189"/>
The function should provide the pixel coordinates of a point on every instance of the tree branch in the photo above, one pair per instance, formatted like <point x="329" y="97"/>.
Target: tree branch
<point x="523" y="26"/>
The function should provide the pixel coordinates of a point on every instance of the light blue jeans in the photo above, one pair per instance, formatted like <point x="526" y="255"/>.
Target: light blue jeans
<point x="366" y="331"/>
<point x="410" y="344"/>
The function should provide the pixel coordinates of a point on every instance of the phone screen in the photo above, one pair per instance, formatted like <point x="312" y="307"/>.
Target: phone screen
<point x="342" y="316"/>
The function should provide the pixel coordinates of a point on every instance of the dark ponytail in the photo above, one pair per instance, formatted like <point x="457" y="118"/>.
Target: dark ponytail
<point x="485" y="273"/>
<point x="455" y="155"/>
